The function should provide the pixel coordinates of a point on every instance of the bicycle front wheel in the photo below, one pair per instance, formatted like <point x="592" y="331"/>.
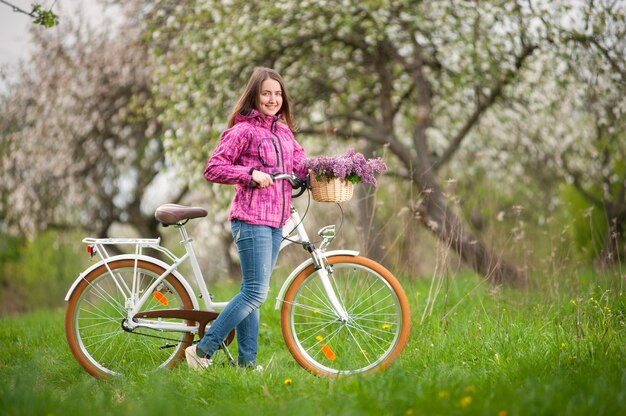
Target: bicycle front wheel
<point x="377" y="328"/>
<point x="97" y="312"/>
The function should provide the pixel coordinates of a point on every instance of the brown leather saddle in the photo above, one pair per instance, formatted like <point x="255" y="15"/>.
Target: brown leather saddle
<point x="173" y="214"/>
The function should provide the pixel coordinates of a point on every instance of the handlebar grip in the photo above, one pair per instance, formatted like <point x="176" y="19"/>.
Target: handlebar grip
<point x="253" y="184"/>
<point x="296" y="183"/>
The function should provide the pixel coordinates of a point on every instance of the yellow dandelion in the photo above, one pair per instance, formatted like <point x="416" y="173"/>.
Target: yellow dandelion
<point x="608" y="310"/>
<point x="409" y="412"/>
<point x="573" y="302"/>
<point x="386" y="326"/>
<point x="503" y="413"/>
<point x="319" y="337"/>
<point x="288" y="382"/>
<point x="563" y="345"/>
<point x="443" y="394"/>
<point x="465" y="401"/>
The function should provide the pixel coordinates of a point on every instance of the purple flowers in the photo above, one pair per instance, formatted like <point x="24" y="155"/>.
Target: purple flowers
<point x="352" y="167"/>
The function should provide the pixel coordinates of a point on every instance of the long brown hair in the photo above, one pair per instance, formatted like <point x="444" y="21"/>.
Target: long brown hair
<point x="250" y="96"/>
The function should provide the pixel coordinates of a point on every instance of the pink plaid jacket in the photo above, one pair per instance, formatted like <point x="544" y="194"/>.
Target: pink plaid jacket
<point x="268" y="145"/>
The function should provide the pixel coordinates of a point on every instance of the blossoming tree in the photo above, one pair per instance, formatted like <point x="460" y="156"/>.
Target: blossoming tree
<point x="563" y="127"/>
<point x="79" y="146"/>
<point x="590" y="148"/>
<point x="385" y="72"/>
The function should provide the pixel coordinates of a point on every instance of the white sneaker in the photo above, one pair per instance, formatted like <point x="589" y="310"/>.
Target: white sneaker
<point x="195" y="362"/>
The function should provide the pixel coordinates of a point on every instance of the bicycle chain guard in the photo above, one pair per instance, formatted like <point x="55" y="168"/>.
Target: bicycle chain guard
<point x="201" y="317"/>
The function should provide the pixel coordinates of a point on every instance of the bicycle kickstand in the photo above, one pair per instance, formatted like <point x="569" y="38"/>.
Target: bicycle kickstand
<point x="223" y="347"/>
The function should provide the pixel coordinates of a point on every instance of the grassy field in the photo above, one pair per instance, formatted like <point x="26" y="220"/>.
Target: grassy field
<point x="543" y="351"/>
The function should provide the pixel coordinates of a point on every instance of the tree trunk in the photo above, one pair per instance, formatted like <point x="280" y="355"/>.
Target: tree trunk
<point x="610" y="249"/>
<point x="434" y="213"/>
<point x="433" y="210"/>
<point x="368" y="224"/>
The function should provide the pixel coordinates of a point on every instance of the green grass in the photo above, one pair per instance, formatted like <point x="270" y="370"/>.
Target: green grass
<point x="483" y="351"/>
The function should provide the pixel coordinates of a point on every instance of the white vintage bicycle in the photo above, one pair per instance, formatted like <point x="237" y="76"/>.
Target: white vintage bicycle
<point x="341" y="313"/>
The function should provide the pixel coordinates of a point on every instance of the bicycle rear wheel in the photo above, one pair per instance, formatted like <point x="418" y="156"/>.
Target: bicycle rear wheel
<point x="97" y="309"/>
<point x="374" y="335"/>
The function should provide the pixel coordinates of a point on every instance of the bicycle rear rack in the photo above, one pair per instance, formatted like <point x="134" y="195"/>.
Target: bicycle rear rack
<point x="98" y="246"/>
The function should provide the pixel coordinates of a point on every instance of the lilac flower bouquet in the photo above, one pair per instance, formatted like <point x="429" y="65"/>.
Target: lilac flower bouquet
<point x="351" y="167"/>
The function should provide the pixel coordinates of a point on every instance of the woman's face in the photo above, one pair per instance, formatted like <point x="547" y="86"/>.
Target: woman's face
<point x="271" y="97"/>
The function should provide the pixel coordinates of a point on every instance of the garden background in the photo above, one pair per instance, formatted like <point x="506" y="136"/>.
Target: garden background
<point x="503" y="124"/>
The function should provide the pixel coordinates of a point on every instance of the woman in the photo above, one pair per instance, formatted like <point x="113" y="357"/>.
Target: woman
<point x="258" y="142"/>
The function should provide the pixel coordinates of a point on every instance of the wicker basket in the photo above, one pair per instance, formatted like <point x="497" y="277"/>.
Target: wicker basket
<point x="331" y="190"/>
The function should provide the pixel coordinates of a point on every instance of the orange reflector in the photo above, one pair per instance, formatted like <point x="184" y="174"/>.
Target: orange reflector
<point x="160" y="297"/>
<point x="328" y="352"/>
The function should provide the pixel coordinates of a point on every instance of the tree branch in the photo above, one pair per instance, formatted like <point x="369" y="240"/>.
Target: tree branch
<point x="576" y="176"/>
<point x="612" y="61"/>
<point x="343" y="133"/>
<point x="483" y="105"/>
<point x="18" y="10"/>
<point x="42" y="17"/>
<point x="368" y="121"/>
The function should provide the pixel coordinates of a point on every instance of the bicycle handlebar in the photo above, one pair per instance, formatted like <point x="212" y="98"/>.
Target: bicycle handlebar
<point x="296" y="183"/>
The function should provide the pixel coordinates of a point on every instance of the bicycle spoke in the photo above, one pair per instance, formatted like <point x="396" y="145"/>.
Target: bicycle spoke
<point x="103" y="313"/>
<point x="328" y="340"/>
<point x="102" y="294"/>
<point x="95" y="315"/>
<point x="107" y="322"/>
<point x="313" y="309"/>
<point x="371" y="295"/>
<point x="371" y="336"/>
<point x="361" y="350"/>
<point x="378" y="312"/>
<point x="319" y="289"/>
<point x="315" y="330"/>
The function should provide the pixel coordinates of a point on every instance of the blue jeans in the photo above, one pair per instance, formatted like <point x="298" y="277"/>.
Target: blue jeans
<point x="258" y="247"/>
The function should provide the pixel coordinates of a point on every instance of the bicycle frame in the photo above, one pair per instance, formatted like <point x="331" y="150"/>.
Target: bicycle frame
<point x="294" y="232"/>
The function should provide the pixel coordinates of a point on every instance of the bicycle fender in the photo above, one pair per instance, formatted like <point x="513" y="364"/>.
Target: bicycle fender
<point x="147" y="259"/>
<point x="304" y="265"/>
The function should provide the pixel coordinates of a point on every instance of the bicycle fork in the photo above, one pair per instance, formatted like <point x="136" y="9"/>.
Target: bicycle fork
<point x="324" y="271"/>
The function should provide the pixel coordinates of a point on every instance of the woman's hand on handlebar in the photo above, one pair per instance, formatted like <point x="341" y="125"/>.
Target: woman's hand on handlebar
<point x="292" y="179"/>
<point x="262" y="179"/>
<point x="299" y="185"/>
<point x="296" y="183"/>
